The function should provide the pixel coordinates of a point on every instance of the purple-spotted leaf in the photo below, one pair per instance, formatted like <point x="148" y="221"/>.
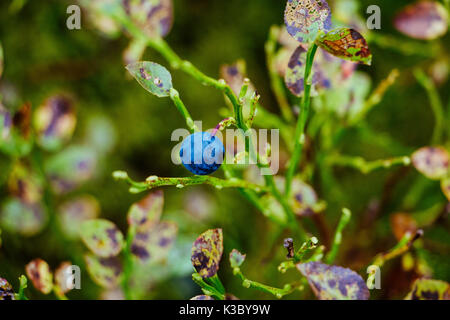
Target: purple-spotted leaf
<point x="153" y="244"/>
<point x="445" y="186"/>
<point x="25" y="184"/>
<point x="55" y="121"/>
<point x="425" y="20"/>
<point x="334" y="283"/>
<point x="236" y="258"/>
<point x="202" y="297"/>
<point x="346" y="44"/>
<point x="143" y="214"/>
<point x="432" y="162"/>
<point x="38" y="271"/>
<point x="102" y="237"/>
<point x="304" y="19"/>
<point x="70" y="168"/>
<point x="206" y="252"/>
<point x="153" y="17"/>
<point x="303" y="198"/>
<point x="63" y="277"/>
<point x="152" y="77"/>
<point x="429" y="289"/>
<point x="73" y="213"/>
<point x="24" y="218"/>
<point x="106" y="272"/>
<point x="6" y="290"/>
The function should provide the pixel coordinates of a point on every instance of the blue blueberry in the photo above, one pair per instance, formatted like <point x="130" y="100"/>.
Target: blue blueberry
<point x="201" y="153"/>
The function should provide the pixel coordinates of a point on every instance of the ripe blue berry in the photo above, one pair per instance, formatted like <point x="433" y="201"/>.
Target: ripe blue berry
<point x="201" y="153"/>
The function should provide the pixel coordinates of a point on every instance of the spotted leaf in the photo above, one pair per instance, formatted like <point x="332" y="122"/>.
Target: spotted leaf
<point x="304" y="19"/>
<point x="445" y="186"/>
<point x="24" y="218"/>
<point x="102" y="237"/>
<point x="303" y="198"/>
<point x="334" y="283"/>
<point x="153" y="17"/>
<point x="6" y="290"/>
<point x="153" y="244"/>
<point x="38" y="271"/>
<point x="147" y="211"/>
<point x="106" y="272"/>
<point x="432" y="162"/>
<point x="206" y="252"/>
<point x="346" y="44"/>
<point x="63" y="277"/>
<point x="425" y="20"/>
<point x="236" y="258"/>
<point x="202" y="297"/>
<point x="152" y="77"/>
<point x="55" y="121"/>
<point x="428" y="289"/>
<point x="74" y="212"/>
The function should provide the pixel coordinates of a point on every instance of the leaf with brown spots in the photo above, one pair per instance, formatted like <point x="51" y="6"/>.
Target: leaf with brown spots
<point x="334" y="283"/>
<point x="428" y="289"/>
<point x="304" y="19"/>
<point x="425" y="20"/>
<point x="38" y="271"/>
<point x="153" y="245"/>
<point x="152" y="77"/>
<point x="102" y="237"/>
<point x="106" y="272"/>
<point x="347" y="44"/>
<point x="236" y="258"/>
<point x="6" y="290"/>
<point x="143" y="214"/>
<point x="432" y="162"/>
<point x="445" y="186"/>
<point x="206" y="252"/>
<point x="401" y="223"/>
<point x="63" y="277"/>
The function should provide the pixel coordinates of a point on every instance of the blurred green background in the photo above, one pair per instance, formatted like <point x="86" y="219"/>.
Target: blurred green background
<point x="43" y="57"/>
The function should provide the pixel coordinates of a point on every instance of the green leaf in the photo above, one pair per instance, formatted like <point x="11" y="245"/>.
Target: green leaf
<point x="425" y="20"/>
<point x="429" y="289"/>
<point x="304" y="19"/>
<point x="38" y="271"/>
<point x="206" y="252"/>
<point x="152" y="77"/>
<point x="236" y="258"/>
<point x="346" y="44"/>
<point x="6" y="290"/>
<point x="153" y="244"/>
<point x="334" y="283"/>
<point x="72" y="213"/>
<point x="432" y="162"/>
<point x="102" y="237"/>
<point x="143" y="214"/>
<point x="106" y="272"/>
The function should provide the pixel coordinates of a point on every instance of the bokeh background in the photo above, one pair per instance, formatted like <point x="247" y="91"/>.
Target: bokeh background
<point x="43" y="57"/>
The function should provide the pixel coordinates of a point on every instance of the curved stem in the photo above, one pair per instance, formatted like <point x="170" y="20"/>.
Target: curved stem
<point x="345" y="219"/>
<point x="299" y="137"/>
<point x="365" y="166"/>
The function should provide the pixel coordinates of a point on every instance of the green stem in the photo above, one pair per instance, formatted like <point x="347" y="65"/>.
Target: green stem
<point x="128" y="264"/>
<point x="276" y="82"/>
<point x="436" y="104"/>
<point x="207" y="288"/>
<point x="23" y="282"/>
<point x="365" y="166"/>
<point x="175" y="96"/>
<point x="345" y="219"/>
<point x="299" y="137"/>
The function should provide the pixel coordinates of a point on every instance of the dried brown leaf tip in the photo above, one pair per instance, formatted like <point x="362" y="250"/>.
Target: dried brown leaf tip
<point x="426" y="20"/>
<point x="102" y="237"/>
<point x="147" y="211"/>
<point x="429" y="289"/>
<point x="432" y="162"/>
<point x="401" y="223"/>
<point x="206" y="252"/>
<point x="6" y="290"/>
<point x="334" y="283"/>
<point x="289" y="245"/>
<point x="38" y="271"/>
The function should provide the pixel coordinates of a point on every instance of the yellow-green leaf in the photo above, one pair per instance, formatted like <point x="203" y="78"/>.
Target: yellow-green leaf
<point x="102" y="237"/>
<point x="206" y="252"/>
<point x="152" y="77"/>
<point x="429" y="289"/>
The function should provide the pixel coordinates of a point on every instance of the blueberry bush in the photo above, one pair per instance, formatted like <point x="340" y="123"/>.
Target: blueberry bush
<point x="359" y="208"/>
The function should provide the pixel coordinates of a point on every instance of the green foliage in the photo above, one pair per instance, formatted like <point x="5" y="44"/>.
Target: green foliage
<point x="102" y="237"/>
<point x="152" y="77"/>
